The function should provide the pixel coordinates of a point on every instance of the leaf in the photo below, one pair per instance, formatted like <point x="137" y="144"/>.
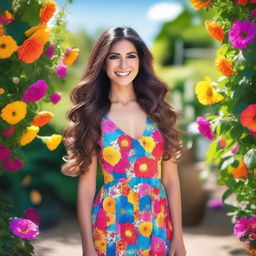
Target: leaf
<point x="31" y="14"/>
<point x="16" y="29"/>
<point x="226" y="194"/>
<point x="5" y="4"/>
<point x="227" y="162"/>
<point x="250" y="158"/>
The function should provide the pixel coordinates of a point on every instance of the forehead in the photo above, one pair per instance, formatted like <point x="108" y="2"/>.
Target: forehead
<point x="123" y="46"/>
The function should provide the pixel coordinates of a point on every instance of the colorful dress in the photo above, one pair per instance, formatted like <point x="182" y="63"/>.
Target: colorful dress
<point x="130" y="214"/>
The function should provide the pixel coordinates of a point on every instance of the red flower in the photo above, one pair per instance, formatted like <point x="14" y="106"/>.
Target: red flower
<point x="145" y="167"/>
<point x="101" y="222"/>
<point x="124" y="142"/>
<point x="248" y="117"/>
<point x="128" y="233"/>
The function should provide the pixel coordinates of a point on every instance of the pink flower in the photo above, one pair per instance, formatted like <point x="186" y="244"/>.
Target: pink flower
<point x="24" y="228"/>
<point x="253" y="13"/>
<point x="157" y="246"/>
<point x="222" y="142"/>
<point x="35" y="91"/>
<point x="32" y="215"/>
<point x="12" y="164"/>
<point x="242" y="34"/>
<point x="252" y="236"/>
<point x="252" y="222"/>
<point x="235" y="148"/>
<point x="108" y="126"/>
<point x="5" y="153"/>
<point x="49" y="52"/>
<point x="8" y="132"/>
<point x="215" y="203"/>
<point x="61" y="70"/>
<point x="204" y="127"/>
<point x="55" y="98"/>
<point x="241" y="227"/>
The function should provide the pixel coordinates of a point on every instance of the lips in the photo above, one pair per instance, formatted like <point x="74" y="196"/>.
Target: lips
<point x="122" y="74"/>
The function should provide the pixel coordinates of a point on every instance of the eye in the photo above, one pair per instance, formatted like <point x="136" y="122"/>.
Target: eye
<point x="112" y="57"/>
<point x="132" y="56"/>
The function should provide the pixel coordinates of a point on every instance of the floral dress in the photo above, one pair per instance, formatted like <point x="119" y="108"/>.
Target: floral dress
<point x="130" y="214"/>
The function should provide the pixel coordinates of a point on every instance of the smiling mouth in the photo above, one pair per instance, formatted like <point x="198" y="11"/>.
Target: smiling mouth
<point x="122" y="74"/>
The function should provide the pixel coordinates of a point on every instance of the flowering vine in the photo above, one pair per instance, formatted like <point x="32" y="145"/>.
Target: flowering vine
<point x="233" y="129"/>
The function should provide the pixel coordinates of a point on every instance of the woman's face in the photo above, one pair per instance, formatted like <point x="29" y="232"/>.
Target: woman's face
<point x="122" y="63"/>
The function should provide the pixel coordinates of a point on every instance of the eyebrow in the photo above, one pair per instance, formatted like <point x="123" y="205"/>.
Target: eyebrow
<point x="119" y="53"/>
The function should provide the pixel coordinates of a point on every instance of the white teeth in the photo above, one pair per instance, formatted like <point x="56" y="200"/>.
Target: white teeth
<point x="122" y="74"/>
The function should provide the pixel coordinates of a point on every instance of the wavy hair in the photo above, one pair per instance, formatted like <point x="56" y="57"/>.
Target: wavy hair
<point x="90" y="104"/>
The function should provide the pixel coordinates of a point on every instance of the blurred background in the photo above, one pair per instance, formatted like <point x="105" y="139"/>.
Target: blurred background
<point x="183" y="53"/>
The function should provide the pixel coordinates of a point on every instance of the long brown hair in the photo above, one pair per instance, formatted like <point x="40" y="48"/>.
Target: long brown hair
<point x="90" y="104"/>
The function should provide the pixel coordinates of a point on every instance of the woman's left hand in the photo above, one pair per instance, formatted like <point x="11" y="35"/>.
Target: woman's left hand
<point x="177" y="247"/>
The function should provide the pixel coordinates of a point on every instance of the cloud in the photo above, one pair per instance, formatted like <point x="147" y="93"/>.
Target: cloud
<point x="164" y="11"/>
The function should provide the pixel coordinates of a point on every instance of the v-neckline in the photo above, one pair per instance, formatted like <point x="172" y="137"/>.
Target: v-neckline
<point x="145" y="128"/>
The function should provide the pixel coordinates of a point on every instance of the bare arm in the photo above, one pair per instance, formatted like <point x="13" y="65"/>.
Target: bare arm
<point x="85" y="195"/>
<point x="170" y="180"/>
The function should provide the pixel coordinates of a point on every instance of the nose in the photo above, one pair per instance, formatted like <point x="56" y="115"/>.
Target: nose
<point x="123" y="63"/>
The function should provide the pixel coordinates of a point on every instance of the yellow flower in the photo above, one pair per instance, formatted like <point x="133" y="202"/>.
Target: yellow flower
<point x="145" y="228"/>
<point x="224" y="65"/>
<point x="70" y="57"/>
<point x="52" y="142"/>
<point x="148" y="143"/>
<point x="33" y="29"/>
<point x="29" y="135"/>
<point x="145" y="253"/>
<point x="160" y="219"/>
<point x="1" y="91"/>
<point x="107" y="176"/>
<point x="111" y="155"/>
<point x="7" y="46"/>
<point x="133" y="197"/>
<point x="14" y="112"/>
<point x="109" y="204"/>
<point x="206" y="93"/>
<point x="35" y="196"/>
<point x="43" y="35"/>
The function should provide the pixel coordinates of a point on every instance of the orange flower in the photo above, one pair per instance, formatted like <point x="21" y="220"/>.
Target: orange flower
<point x="248" y="117"/>
<point x="42" y="35"/>
<point x="42" y="118"/>
<point x="30" y="50"/>
<point x="214" y="30"/>
<point x="240" y="171"/>
<point x="33" y="29"/>
<point x="47" y="11"/>
<point x="70" y="56"/>
<point x="224" y="66"/>
<point x="199" y="4"/>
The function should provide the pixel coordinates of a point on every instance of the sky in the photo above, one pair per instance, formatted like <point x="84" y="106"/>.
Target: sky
<point x="145" y="16"/>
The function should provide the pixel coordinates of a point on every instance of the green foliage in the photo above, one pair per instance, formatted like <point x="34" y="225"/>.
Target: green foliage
<point x="237" y="167"/>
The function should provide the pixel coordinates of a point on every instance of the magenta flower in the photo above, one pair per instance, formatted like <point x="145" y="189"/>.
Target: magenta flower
<point x="5" y="153"/>
<point x="215" y="203"/>
<point x="12" y="164"/>
<point x="49" y="52"/>
<point x="242" y="33"/>
<point x="241" y="227"/>
<point x="24" y="228"/>
<point x="253" y="13"/>
<point x="61" y="70"/>
<point x="32" y="215"/>
<point x="235" y="148"/>
<point x="252" y="222"/>
<point x="8" y="132"/>
<point x="55" y="98"/>
<point x="204" y="127"/>
<point x="35" y="91"/>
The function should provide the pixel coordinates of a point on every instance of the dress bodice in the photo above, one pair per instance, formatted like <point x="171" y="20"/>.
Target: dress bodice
<point x="123" y="156"/>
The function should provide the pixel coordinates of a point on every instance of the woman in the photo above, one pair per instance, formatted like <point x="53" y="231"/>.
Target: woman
<point x="120" y="118"/>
